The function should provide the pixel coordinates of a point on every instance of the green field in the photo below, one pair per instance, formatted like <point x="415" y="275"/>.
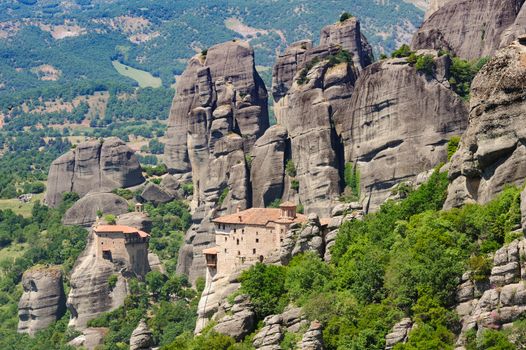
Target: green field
<point x="144" y="78"/>
<point x="18" y="207"/>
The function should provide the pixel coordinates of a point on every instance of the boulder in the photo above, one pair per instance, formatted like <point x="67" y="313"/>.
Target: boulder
<point x="267" y="170"/>
<point x="492" y="152"/>
<point x="313" y="338"/>
<point x="470" y="29"/>
<point x="84" y="211"/>
<point x="219" y="111"/>
<point x="155" y="194"/>
<point x="399" y="333"/>
<point x="138" y="220"/>
<point x="402" y="121"/>
<point x="303" y="238"/>
<point x="141" y="337"/>
<point x="91" y="166"/>
<point x="240" y="321"/>
<point x="90" y="339"/>
<point x="43" y="300"/>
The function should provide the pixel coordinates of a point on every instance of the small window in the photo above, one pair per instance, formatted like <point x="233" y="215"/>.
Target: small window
<point x="257" y="233"/>
<point x="234" y="230"/>
<point x="226" y="239"/>
<point x="238" y="252"/>
<point x="281" y="239"/>
<point x="257" y="240"/>
<point x="225" y="250"/>
<point x="242" y="231"/>
<point x="254" y="251"/>
<point x="237" y="241"/>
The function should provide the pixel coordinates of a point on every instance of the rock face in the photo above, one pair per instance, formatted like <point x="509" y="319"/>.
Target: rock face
<point x="309" y="238"/>
<point x="43" y="301"/>
<point x="140" y="221"/>
<point x="155" y="194"/>
<point x="516" y="30"/>
<point x="501" y="300"/>
<point x="240" y="319"/>
<point x="399" y="333"/>
<point x="275" y="326"/>
<point x="219" y="111"/>
<point x="91" y="293"/>
<point x="84" y="211"/>
<point x="340" y="214"/>
<point x="141" y="338"/>
<point x="91" y="166"/>
<point x="90" y="338"/>
<point x="311" y="89"/>
<point x="313" y="338"/>
<point x="468" y="28"/>
<point x="267" y="170"/>
<point x="402" y="120"/>
<point x="433" y="6"/>
<point x="492" y="151"/>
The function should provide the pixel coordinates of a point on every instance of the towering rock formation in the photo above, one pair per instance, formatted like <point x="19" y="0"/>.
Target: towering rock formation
<point x="468" y="28"/>
<point x="93" y="165"/>
<point x="219" y="111"/>
<point x="401" y="122"/>
<point x="433" y="7"/>
<point x="311" y="89"/>
<point x="43" y="301"/>
<point x="516" y="30"/>
<point x="492" y="152"/>
<point x="267" y="169"/>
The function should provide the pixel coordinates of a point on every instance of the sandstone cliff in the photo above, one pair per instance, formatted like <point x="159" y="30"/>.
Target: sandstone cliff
<point x="400" y="124"/>
<point x="492" y="152"/>
<point x="43" y="300"/>
<point x="219" y="111"/>
<point x="470" y="29"/>
<point x="312" y="87"/>
<point x="93" y="165"/>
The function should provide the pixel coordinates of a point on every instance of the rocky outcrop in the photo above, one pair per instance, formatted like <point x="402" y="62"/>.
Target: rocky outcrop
<point x="156" y="194"/>
<point x="340" y="214"/>
<point x="312" y="87"/>
<point x="433" y="7"/>
<point x="399" y="333"/>
<point x="239" y="319"/>
<point x="515" y="31"/>
<point x="302" y="239"/>
<point x="90" y="339"/>
<point x="43" y="300"/>
<point x="492" y="151"/>
<point x="470" y="29"/>
<point x="267" y="168"/>
<point x="402" y="120"/>
<point x="141" y="337"/>
<point x="499" y="301"/>
<point x="84" y="211"/>
<point x="275" y="326"/>
<point x="91" y="166"/>
<point x="91" y="293"/>
<point x="138" y="220"/>
<point x="219" y="111"/>
<point x="313" y="338"/>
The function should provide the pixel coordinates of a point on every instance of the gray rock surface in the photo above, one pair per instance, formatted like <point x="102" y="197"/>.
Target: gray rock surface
<point x="302" y="239"/>
<point x="156" y="194"/>
<point x="311" y="93"/>
<point x="84" y="211"/>
<point x="499" y="301"/>
<point x="398" y="333"/>
<point x="90" y="338"/>
<point x="90" y="293"/>
<point x="313" y="338"/>
<point x="275" y="326"/>
<point x="267" y="170"/>
<point x="91" y="166"/>
<point x="470" y="29"/>
<point x="516" y="30"/>
<point x="401" y="122"/>
<point x="492" y="152"/>
<point x="433" y="6"/>
<point x="240" y="319"/>
<point x="142" y="337"/>
<point x="140" y="221"/>
<point x="219" y="111"/>
<point x="340" y="214"/>
<point x="43" y="300"/>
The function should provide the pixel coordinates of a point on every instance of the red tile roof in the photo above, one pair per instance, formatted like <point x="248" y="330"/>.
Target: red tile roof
<point x="120" y="229"/>
<point x="258" y="216"/>
<point x="212" y="251"/>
